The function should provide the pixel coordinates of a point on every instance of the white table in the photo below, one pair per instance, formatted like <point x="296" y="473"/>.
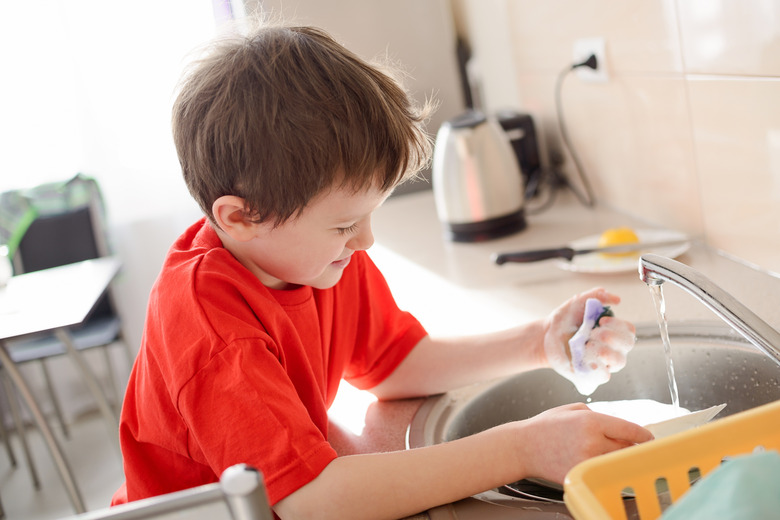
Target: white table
<point x="54" y="300"/>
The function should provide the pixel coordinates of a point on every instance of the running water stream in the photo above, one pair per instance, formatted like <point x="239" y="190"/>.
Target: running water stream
<point x="657" y="294"/>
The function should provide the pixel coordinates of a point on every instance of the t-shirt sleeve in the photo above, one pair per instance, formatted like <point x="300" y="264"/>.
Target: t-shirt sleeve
<point x="385" y="334"/>
<point x="242" y="407"/>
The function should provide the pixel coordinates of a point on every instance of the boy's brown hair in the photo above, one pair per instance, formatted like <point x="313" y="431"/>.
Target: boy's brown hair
<point x="280" y="115"/>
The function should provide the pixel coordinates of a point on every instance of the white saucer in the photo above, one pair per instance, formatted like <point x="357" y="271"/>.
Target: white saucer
<point x="599" y="263"/>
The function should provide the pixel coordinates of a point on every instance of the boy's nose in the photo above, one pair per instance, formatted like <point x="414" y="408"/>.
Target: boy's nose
<point x="364" y="237"/>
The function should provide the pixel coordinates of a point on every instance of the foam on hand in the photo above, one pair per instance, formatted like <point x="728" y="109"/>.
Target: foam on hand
<point x="586" y="376"/>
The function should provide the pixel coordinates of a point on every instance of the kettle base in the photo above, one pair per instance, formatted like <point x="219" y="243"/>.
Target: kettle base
<point x="487" y="229"/>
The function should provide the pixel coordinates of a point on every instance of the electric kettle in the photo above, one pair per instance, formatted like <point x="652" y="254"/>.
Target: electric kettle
<point x="477" y="181"/>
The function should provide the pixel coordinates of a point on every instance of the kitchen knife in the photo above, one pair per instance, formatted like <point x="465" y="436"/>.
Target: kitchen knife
<point x="568" y="253"/>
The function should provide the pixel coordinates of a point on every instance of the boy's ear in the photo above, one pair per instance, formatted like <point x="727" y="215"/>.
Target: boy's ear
<point x="230" y="215"/>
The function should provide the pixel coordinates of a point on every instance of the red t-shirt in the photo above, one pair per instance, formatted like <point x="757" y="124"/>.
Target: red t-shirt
<point x="230" y="371"/>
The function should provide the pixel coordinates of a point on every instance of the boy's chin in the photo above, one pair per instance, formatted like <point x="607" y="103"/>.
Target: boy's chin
<point x="328" y="279"/>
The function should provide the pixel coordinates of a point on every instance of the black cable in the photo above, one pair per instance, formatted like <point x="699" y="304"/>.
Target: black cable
<point x="587" y="199"/>
<point x="546" y="183"/>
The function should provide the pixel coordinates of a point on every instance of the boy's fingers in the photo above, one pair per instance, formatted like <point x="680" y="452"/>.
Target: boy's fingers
<point x="625" y="431"/>
<point x="603" y="295"/>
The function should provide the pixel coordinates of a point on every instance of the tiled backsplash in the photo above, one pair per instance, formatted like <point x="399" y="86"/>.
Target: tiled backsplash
<point x="686" y="132"/>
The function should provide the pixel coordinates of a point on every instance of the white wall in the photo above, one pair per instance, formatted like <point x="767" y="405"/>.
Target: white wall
<point x="88" y="87"/>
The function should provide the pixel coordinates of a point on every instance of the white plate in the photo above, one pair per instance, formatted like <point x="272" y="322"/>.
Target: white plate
<point x="685" y="422"/>
<point x="599" y="263"/>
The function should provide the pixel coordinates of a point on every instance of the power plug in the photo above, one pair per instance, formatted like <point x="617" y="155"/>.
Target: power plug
<point x="584" y="48"/>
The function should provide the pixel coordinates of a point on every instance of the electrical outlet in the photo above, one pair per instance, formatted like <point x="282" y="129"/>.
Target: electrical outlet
<point x="583" y="48"/>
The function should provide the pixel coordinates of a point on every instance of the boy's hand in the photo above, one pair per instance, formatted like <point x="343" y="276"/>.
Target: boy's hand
<point x="605" y="350"/>
<point x="562" y="437"/>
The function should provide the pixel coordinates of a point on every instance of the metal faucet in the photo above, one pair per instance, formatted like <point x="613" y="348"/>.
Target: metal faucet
<point x="655" y="270"/>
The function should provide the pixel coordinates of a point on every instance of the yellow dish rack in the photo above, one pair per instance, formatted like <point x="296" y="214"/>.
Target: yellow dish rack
<point x="659" y="472"/>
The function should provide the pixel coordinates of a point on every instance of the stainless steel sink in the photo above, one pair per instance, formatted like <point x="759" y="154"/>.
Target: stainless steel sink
<point x="713" y="365"/>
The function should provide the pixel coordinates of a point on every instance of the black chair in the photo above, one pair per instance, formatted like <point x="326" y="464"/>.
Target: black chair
<point x="68" y="228"/>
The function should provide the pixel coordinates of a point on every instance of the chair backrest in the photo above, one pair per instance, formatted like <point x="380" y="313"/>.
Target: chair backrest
<point x="67" y="223"/>
<point x="54" y="240"/>
<point x="68" y="227"/>
<point x="240" y="492"/>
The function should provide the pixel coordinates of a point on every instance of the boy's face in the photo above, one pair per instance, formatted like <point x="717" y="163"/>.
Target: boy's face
<point x="315" y="247"/>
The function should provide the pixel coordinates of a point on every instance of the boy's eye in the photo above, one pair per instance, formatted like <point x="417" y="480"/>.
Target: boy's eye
<point x="347" y="230"/>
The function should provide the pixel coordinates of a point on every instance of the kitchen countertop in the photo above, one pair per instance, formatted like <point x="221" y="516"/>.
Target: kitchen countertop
<point x="455" y="288"/>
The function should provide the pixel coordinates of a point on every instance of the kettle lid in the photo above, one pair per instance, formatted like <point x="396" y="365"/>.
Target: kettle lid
<point x="468" y="119"/>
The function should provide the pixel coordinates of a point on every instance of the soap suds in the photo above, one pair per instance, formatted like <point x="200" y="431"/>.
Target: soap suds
<point x="585" y="363"/>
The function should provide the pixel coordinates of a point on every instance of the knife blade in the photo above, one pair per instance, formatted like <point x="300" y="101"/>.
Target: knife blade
<point x="569" y="253"/>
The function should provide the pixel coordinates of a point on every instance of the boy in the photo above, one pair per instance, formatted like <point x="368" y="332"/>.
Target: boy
<point x="289" y="142"/>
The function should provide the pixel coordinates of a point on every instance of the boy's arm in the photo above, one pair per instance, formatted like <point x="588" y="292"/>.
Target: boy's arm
<point x="438" y="365"/>
<point x="399" y="484"/>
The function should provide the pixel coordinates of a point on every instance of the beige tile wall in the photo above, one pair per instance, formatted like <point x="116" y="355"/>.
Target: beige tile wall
<point x="686" y="132"/>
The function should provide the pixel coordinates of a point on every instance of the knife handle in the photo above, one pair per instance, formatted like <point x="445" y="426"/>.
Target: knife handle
<point x="534" y="256"/>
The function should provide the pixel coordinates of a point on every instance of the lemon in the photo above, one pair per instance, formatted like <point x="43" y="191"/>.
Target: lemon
<point x="617" y="237"/>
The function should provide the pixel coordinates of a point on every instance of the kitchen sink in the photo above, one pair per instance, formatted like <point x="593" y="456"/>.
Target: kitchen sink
<point x="713" y="365"/>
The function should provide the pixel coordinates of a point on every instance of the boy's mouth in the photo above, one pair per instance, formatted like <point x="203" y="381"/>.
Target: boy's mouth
<point x="344" y="262"/>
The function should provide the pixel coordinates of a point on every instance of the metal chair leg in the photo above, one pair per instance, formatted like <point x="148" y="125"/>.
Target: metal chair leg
<point x="4" y="432"/>
<point x="114" y="398"/>
<point x="54" y="401"/>
<point x="17" y="415"/>
<point x="112" y="422"/>
<point x="66" y="475"/>
<point x="130" y="356"/>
